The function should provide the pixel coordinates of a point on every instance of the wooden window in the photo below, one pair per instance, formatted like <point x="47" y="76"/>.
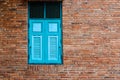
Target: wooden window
<point x="45" y="29"/>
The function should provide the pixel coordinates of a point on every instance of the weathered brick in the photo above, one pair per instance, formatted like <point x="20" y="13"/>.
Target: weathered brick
<point x="91" y="42"/>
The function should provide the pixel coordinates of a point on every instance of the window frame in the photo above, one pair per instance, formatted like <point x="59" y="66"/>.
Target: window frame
<point x="60" y="2"/>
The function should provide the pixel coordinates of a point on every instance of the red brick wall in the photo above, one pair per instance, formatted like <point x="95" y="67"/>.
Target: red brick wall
<point x="91" y="42"/>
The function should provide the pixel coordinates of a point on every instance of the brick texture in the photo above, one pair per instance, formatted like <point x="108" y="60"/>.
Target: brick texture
<point x="91" y="42"/>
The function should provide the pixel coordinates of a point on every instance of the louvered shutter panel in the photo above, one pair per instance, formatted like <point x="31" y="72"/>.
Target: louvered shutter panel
<point x="54" y="44"/>
<point x="36" y="47"/>
<point x="36" y="42"/>
<point x="53" y="48"/>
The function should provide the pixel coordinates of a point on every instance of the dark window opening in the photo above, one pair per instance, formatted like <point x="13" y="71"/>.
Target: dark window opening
<point x="44" y="10"/>
<point x="36" y="10"/>
<point x="53" y="10"/>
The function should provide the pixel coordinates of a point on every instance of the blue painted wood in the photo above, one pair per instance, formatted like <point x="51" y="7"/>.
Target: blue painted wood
<point x="53" y="40"/>
<point x="36" y="37"/>
<point x="45" y="43"/>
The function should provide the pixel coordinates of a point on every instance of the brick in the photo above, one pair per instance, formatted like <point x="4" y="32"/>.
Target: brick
<point x="91" y="42"/>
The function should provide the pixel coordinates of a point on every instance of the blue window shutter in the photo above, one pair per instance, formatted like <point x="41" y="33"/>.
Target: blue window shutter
<point x="36" y="42"/>
<point x="53" y="41"/>
<point x="45" y="42"/>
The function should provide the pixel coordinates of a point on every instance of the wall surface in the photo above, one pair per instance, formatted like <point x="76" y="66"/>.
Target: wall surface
<point x="91" y="42"/>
